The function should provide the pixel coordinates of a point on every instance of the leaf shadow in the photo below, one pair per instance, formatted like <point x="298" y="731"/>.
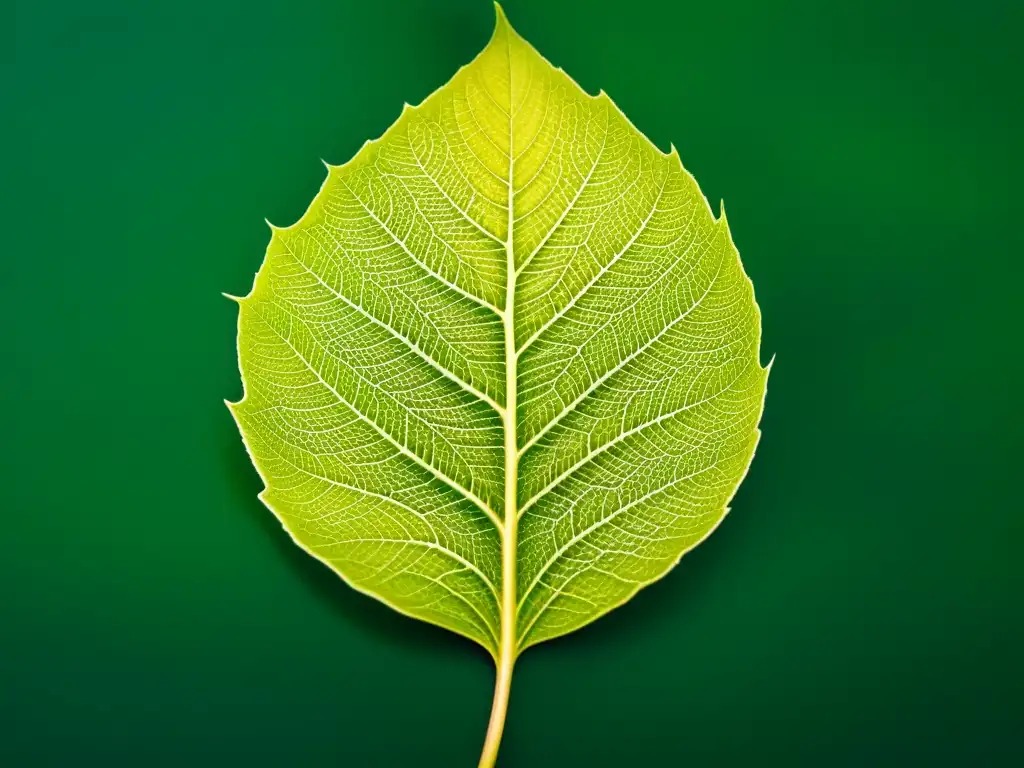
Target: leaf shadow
<point x="381" y="622"/>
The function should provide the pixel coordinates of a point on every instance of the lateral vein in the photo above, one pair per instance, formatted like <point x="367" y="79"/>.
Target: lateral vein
<point x="619" y="366"/>
<point x="591" y="455"/>
<point x="465" y="385"/>
<point x="601" y="272"/>
<point x="593" y="527"/>
<point x="401" y="243"/>
<point x="470" y="496"/>
<point x="572" y="203"/>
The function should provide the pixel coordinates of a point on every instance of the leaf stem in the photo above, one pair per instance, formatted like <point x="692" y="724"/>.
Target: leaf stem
<point x="499" y="708"/>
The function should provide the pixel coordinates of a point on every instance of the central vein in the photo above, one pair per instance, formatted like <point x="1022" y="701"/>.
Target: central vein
<point x="507" y="649"/>
<point x="511" y="505"/>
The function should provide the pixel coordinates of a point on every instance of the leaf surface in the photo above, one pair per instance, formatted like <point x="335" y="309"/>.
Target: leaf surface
<point x="504" y="371"/>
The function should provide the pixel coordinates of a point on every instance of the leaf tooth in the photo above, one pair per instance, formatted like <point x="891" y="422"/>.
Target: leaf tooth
<point x="232" y="297"/>
<point x="622" y="116"/>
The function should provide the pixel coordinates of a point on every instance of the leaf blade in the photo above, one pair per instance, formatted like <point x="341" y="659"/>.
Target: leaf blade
<point x="636" y="340"/>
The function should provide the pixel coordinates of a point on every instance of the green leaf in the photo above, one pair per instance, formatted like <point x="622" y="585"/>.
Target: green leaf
<point x="504" y="371"/>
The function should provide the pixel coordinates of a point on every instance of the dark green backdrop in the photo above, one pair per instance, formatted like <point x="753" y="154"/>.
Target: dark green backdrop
<point x="862" y="606"/>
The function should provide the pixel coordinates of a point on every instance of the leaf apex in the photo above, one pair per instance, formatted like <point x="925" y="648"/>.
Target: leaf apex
<point x="501" y="24"/>
<point x="500" y="18"/>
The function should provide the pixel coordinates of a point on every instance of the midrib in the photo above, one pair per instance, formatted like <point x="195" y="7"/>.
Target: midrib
<point x="507" y="652"/>
<point x="507" y="649"/>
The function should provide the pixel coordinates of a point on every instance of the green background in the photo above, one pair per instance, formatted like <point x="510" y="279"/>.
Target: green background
<point x="863" y="604"/>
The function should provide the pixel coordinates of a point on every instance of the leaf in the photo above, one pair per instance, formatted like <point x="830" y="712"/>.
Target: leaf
<point x="504" y="371"/>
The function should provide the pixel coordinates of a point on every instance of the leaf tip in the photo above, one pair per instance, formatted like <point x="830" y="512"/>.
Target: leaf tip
<point x="502" y="27"/>
<point x="499" y="13"/>
<point x="721" y="213"/>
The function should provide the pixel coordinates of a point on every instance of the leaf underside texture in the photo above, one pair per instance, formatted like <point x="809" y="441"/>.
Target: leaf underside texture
<point x="511" y="241"/>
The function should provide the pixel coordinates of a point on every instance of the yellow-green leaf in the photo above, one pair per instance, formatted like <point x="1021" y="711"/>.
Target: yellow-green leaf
<point x="504" y="371"/>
